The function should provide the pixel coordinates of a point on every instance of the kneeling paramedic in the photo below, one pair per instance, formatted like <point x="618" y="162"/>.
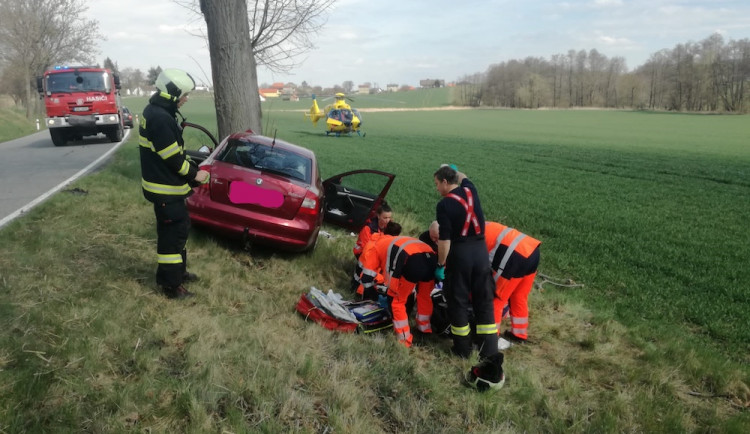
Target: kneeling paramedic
<point x="167" y="177"/>
<point x="514" y="258"/>
<point x="405" y="263"/>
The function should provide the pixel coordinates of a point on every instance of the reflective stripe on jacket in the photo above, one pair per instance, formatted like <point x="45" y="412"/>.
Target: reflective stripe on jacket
<point x="471" y="217"/>
<point x="165" y="169"/>
<point x="506" y="240"/>
<point x="387" y="256"/>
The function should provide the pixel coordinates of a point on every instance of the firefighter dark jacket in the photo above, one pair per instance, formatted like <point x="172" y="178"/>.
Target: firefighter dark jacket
<point x="165" y="169"/>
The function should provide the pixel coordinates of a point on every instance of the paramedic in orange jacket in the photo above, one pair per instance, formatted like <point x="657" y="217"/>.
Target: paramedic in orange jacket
<point x="375" y="225"/>
<point x="404" y="262"/>
<point x="371" y="293"/>
<point x="514" y="257"/>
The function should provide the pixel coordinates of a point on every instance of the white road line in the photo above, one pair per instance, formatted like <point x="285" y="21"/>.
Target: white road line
<point x="45" y="196"/>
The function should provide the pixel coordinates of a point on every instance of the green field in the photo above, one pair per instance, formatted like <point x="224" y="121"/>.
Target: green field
<point x="646" y="210"/>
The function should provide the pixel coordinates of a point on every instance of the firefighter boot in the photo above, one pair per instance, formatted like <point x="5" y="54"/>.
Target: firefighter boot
<point x="190" y="277"/>
<point x="177" y="293"/>
<point x="488" y="374"/>
<point x="461" y="346"/>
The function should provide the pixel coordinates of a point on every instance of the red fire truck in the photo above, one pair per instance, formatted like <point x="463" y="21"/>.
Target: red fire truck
<point x="81" y="101"/>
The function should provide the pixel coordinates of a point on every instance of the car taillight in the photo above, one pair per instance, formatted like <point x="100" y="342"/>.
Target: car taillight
<point x="309" y="204"/>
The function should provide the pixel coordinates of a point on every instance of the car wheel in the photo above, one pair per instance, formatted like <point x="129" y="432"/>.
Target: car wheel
<point x="314" y="244"/>
<point x="115" y="134"/>
<point x="58" y="137"/>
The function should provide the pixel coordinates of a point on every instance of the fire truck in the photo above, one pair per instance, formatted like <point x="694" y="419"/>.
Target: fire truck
<point x="81" y="101"/>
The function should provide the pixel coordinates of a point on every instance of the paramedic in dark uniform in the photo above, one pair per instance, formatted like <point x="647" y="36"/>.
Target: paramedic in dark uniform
<point x="167" y="176"/>
<point x="465" y="268"/>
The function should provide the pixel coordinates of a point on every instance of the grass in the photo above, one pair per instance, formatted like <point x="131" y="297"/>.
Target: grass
<point x="13" y="122"/>
<point x="647" y="210"/>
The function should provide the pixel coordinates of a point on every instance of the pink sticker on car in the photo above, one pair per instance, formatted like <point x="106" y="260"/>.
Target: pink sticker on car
<point x="242" y="192"/>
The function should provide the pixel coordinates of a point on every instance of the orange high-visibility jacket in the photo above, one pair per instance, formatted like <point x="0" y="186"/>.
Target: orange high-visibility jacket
<point x="503" y="238"/>
<point x="367" y="231"/>
<point x="388" y="255"/>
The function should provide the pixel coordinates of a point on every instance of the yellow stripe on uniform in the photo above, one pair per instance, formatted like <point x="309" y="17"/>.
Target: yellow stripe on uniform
<point x="174" y="190"/>
<point x="460" y="331"/>
<point x="169" y="151"/>
<point x="184" y="169"/>
<point x="142" y="141"/>
<point x="486" y="329"/>
<point x="170" y="259"/>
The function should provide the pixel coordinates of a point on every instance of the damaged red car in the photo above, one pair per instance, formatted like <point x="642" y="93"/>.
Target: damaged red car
<point x="263" y="190"/>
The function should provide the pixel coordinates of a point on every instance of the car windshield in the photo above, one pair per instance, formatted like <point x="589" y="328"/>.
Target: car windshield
<point x="264" y="158"/>
<point x="77" y="81"/>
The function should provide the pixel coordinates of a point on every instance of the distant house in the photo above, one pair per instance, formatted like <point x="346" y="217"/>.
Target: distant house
<point x="270" y="92"/>
<point x="430" y="83"/>
<point x="364" y="89"/>
<point x="393" y="87"/>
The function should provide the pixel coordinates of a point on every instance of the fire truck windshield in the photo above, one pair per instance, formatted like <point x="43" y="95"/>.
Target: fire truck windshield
<point x="78" y="81"/>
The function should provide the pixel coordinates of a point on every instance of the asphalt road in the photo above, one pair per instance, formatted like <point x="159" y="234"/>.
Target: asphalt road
<point x="32" y="168"/>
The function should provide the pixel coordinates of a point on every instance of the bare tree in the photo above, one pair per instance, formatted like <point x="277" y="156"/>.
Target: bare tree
<point x="280" y="30"/>
<point x="233" y="67"/>
<point x="35" y="34"/>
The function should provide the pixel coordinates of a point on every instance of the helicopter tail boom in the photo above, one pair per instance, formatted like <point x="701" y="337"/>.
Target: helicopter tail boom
<point x="315" y="114"/>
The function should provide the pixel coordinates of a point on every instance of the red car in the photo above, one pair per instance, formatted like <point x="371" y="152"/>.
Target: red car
<point x="268" y="191"/>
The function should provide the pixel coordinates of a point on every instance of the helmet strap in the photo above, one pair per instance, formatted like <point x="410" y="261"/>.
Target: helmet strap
<point x="168" y="96"/>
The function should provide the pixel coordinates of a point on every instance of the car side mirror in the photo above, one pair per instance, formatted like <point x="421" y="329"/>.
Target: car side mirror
<point x="204" y="150"/>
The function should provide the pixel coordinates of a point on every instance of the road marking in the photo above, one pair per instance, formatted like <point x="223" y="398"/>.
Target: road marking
<point x="26" y="208"/>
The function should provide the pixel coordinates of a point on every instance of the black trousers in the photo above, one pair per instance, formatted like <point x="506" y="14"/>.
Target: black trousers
<point x="172" y="228"/>
<point x="468" y="284"/>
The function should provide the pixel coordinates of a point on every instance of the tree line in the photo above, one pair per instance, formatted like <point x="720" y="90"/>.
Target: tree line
<point x="709" y="75"/>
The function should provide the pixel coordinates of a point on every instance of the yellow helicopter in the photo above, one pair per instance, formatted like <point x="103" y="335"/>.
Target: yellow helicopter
<point x="340" y="117"/>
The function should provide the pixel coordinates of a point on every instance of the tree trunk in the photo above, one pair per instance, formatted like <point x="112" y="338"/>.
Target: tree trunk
<point x="233" y="67"/>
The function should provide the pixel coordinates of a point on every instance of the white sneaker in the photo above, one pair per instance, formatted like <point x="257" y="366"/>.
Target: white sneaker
<point x="503" y="344"/>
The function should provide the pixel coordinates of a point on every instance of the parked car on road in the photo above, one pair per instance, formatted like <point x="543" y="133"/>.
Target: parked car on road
<point x="127" y="117"/>
<point x="267" y="191"/>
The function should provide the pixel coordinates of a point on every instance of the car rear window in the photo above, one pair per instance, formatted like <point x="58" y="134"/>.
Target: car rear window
<point x="264" y="158"/>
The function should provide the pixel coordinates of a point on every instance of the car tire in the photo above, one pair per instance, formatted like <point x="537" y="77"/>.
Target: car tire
<point x="115" y="134"/>
<point x="58" y="137"/>
<point x="310" y="250"/>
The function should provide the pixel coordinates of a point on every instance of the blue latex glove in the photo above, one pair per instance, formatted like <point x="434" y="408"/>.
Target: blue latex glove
<point x="440" y="273"/>
<point x="383" y="301"/>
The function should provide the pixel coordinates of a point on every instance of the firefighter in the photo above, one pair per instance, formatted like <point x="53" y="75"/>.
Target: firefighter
<point x="514" y="259"/>
<point x="167" y="177"/>
<point x="467" y="278"/>
<point x="383" y="215"/>
<point x="405" y="263"/>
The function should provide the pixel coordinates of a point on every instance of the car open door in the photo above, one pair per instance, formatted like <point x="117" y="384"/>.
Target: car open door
<point x="352" y="197"/>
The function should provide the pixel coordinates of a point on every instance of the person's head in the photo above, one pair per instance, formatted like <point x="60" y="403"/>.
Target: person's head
<point x="446" y="179"/>
<point x="392" y="228"/>
<point x="175" y="85"/>
<point x="385" y="215"/>
<point x="434" y="231"/>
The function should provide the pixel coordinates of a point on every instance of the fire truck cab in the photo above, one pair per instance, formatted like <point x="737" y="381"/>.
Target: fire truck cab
<point x="81" y="101"/>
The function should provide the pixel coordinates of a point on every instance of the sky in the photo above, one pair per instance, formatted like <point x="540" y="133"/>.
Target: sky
<point x="401" y="42"/>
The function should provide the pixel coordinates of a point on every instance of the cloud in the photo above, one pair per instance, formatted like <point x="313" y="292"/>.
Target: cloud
<point x="614" y="41"/>
<point x="607" y="3"/>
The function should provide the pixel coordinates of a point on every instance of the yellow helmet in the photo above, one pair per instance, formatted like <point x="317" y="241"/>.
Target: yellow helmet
<point x="174" y="83"/>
